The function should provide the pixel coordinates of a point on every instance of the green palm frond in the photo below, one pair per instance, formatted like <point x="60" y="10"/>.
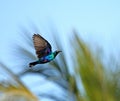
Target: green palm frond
<point x="98" y="82"/>
<point x="12" y="89"/>
<point x="95" y="77"/>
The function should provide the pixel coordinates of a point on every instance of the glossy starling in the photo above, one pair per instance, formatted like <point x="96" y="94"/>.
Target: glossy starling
<point x="43" y="50"/>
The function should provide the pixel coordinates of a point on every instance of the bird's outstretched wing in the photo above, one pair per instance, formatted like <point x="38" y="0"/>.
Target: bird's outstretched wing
<point x="41" y="45"/>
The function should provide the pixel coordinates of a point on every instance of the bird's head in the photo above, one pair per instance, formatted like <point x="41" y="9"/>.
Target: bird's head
<point x="56" y="52"/>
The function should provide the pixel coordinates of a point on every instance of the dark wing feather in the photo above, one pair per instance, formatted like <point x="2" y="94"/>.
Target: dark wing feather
<point x="41" y="45"/>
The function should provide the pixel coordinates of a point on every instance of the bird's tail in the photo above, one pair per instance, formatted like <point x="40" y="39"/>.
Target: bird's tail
<point x="33" y="64"/>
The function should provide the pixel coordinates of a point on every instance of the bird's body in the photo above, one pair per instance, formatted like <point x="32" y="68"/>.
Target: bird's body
<point x="43" y="50"/>
<point x="47" y="58"/>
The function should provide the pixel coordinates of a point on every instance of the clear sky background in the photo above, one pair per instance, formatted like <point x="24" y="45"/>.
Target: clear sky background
<point x="97" y="21"/>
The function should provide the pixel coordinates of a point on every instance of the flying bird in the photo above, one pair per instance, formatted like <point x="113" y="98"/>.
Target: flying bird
<point x="43" y="50"/>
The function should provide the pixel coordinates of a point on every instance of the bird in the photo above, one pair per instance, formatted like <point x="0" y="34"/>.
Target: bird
<point x="43" y="50"/>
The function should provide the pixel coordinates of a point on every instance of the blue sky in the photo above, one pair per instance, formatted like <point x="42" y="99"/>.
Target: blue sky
<point x="97" y="21"/>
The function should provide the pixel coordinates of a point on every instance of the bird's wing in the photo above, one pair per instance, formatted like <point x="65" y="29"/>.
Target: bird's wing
<point x="41" y="45"/>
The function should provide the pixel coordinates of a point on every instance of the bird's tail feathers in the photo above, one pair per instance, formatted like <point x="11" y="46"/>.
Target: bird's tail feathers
<point x="33" y="63"/>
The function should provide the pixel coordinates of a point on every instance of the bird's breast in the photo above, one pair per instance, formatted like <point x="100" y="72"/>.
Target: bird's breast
<point x="50" y="57"/>
<point x="47" y="58"/>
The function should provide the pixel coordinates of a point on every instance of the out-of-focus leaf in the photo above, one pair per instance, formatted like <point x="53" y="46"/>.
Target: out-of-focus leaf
<point x="12" y="89"/>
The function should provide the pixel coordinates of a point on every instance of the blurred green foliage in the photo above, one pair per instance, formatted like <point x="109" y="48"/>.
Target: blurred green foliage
<point x="99" y="83"/>
<point x="12" y="89"/>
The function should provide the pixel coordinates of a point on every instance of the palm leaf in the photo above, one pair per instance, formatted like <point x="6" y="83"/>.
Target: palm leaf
<point x="12" y="89"/>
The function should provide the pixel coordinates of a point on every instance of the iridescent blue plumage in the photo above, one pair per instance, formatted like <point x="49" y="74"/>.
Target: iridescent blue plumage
<point x="43" y="50"/>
